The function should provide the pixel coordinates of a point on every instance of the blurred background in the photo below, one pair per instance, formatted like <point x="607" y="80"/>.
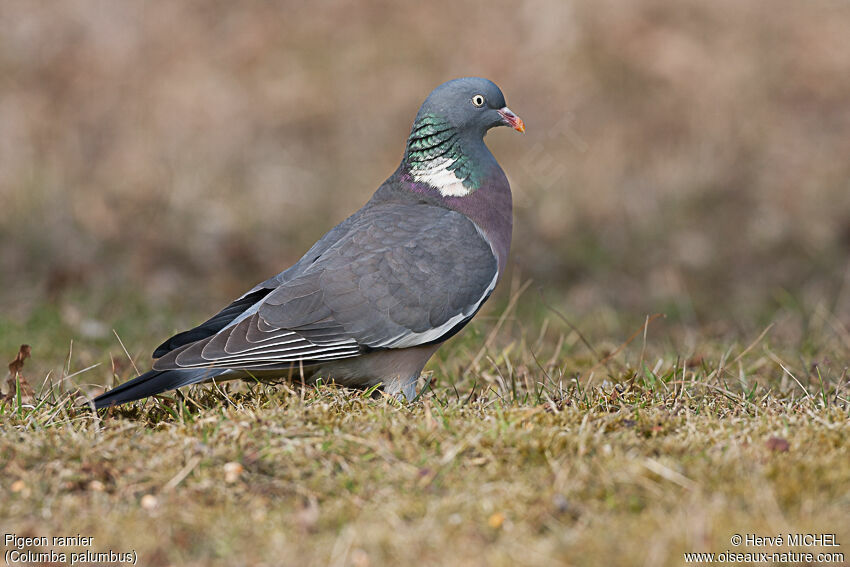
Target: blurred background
<point x="157" y="159"/>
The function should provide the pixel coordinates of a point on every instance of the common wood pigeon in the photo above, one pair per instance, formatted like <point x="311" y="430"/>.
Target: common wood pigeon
<point x="376" y="296"/>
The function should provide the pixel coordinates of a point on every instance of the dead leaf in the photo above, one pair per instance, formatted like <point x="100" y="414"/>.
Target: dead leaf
<point x="16" y="380"/>
<point x="17" y="365"/>
<point x="778" y="445"/>
<point x="27" y="393"/>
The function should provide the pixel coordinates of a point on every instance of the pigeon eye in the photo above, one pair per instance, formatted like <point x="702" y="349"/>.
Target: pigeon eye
<point x="478" y="100"/>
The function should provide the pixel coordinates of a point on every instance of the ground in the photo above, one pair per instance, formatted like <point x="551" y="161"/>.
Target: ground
<point x="526" y="448"/>
<point x="685" y="158"/>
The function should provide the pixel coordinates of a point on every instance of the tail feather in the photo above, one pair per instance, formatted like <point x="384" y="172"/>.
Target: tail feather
<point x="154" y="382"/>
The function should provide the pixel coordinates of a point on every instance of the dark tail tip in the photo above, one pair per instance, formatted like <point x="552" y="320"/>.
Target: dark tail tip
<point x="149" y="384"/>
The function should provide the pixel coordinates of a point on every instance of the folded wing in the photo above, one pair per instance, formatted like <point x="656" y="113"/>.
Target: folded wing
<point x="398" y="276"/>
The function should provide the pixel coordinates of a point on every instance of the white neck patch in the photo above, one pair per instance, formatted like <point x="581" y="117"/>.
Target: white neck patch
<point x="437" y="174"/>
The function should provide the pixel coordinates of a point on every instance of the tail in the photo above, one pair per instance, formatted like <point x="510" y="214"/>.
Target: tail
<point x="154" y="382"/>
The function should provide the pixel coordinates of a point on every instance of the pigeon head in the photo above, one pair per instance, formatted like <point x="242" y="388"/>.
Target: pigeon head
<point x="470" y="104"/>
<point x="446" y="149"/>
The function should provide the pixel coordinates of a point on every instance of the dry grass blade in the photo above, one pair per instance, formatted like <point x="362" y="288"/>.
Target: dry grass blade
<point x="495" y="330"/>
<point x="622" y="346"/>
<point x="753" y="344"/>
<point x="126" y="352"/>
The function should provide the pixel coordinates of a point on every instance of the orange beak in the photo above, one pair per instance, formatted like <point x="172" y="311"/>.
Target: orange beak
<point x="512" y="119"/>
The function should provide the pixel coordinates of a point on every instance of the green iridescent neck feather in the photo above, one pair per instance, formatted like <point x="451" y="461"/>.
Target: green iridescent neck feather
<point x="435" y="156"/>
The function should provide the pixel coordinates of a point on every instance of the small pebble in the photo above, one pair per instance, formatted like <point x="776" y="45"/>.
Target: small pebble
<point x="148" y="502"/>
<point x="496" y="520"/>
<point x="232" y="472"/>
<point x="359" y="558"/>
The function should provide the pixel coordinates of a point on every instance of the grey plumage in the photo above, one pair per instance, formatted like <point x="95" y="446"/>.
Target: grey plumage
<point x="374" y="298"/>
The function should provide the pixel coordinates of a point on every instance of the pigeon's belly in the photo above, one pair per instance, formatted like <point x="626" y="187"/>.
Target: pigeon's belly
<point x="394" y="368"/>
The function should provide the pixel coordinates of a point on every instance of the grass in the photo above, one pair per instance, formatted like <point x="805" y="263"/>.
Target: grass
<point x="527" y="448"/>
